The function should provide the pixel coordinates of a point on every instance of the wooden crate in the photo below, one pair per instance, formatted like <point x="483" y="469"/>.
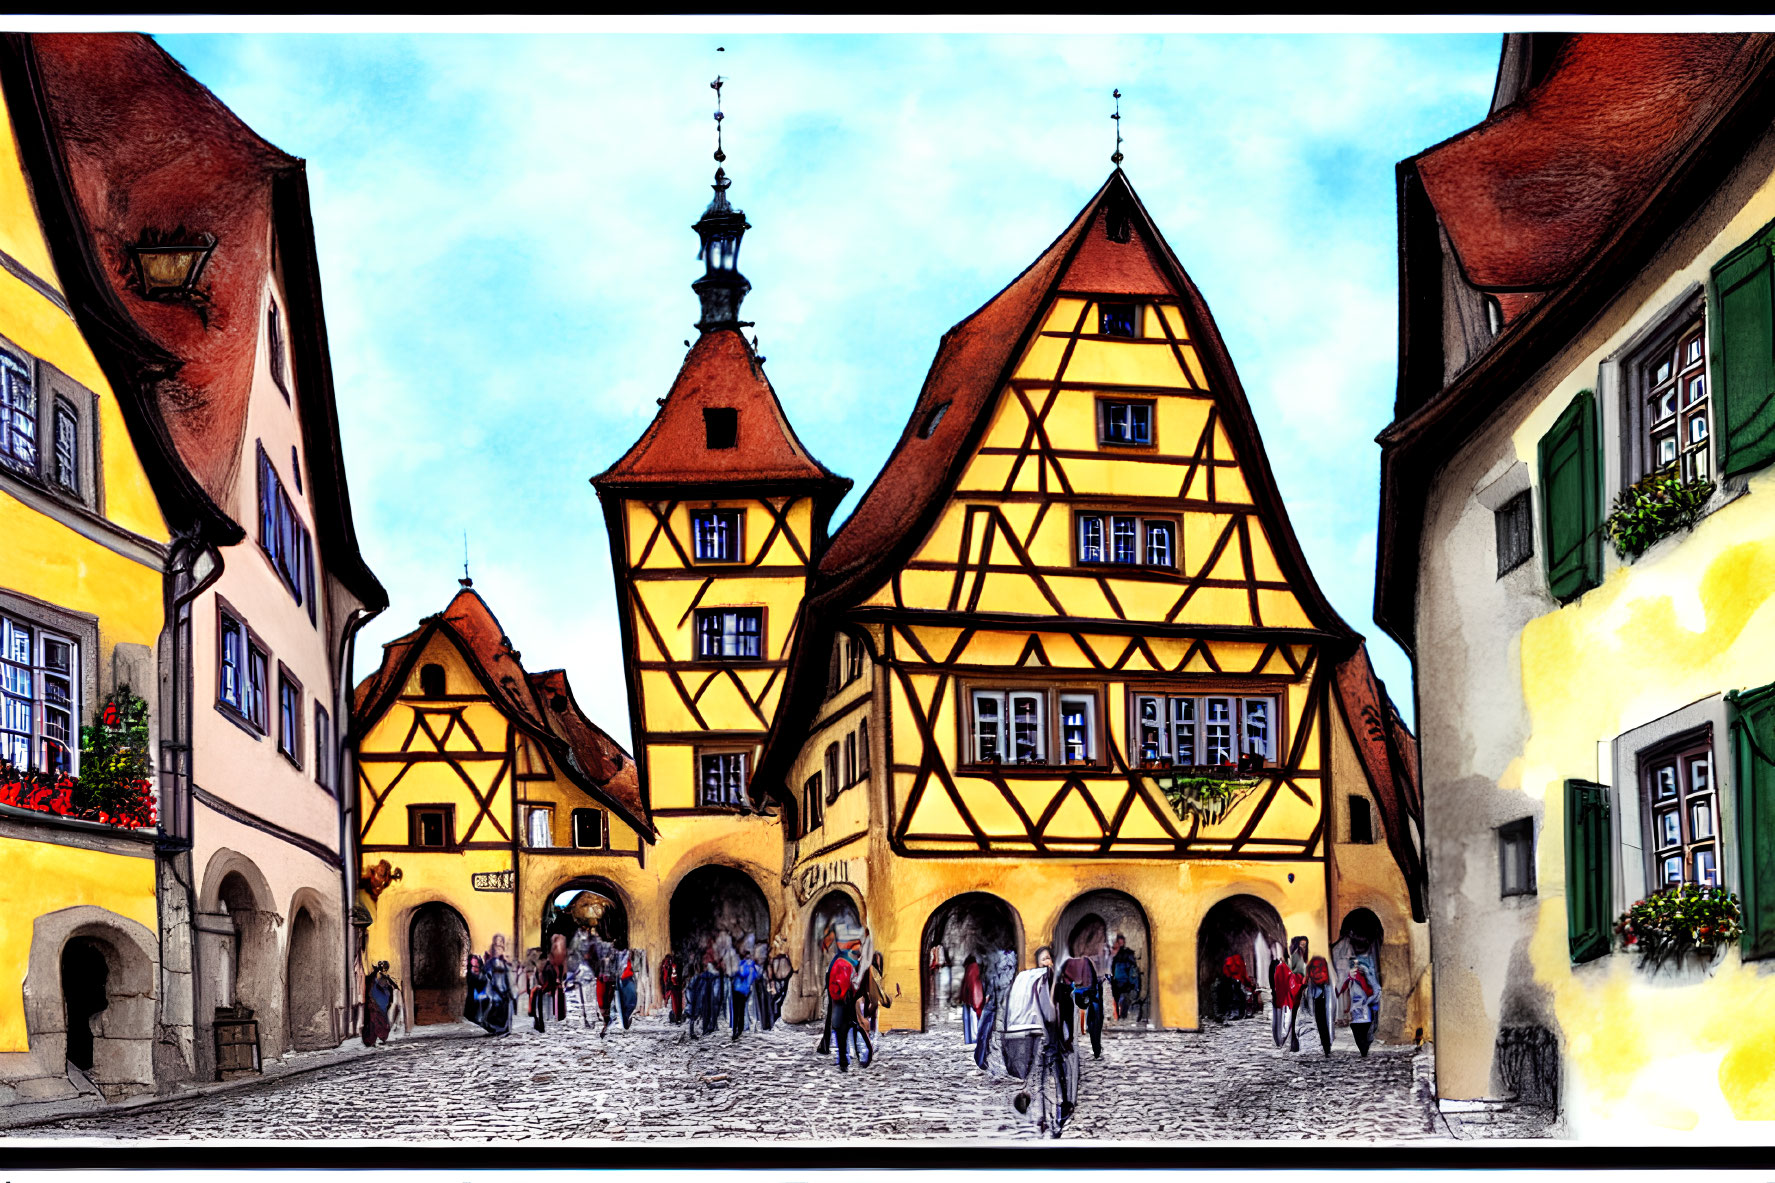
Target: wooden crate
<point x="237" y="1048"/>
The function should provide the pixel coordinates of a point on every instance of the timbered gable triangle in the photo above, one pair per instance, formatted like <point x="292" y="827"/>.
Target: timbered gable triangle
<point x="1073" y="814"/>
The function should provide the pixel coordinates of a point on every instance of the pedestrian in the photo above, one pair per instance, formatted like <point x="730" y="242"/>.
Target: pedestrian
<point x="781" y="970"/>
<point x="671" y="984"/>
<point x="379" y="992"/>
<point x="1124" y="977"/>
<point x="1060" y="1055"/>
<point x="746" y="974"/>
<point x="551" y="983"/>
<point x="940" y="978"/>
<point x="1319" y="999"/>
<point x="1285" y="988"/>
<point x="1087" y="998"/>
<point x="496" y="1016"/>
<point x="973" y="999"/>
<point x="983" y="1033"/>
<point x="871" y="998"/>
<point x="714" y="994"/>
<point x="841" y="1000"/>
<point x="1364" y="997"/>
<point x="1023" y="1021"/>
<point x="762" y="1003"/>
<point x="474" y="994"/>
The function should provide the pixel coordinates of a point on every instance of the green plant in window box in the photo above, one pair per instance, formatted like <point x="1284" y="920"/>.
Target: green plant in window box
<point x="1686" y="919"/>
<point x="1655" y="507"/>
<point x="1208" y="794"/>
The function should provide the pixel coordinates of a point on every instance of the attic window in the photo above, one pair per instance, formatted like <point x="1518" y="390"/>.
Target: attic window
<point x="431" y="680"/>
<point x="1118" y="320"/>
<point x="929" y="427"/>
<point x="721" y="427"/>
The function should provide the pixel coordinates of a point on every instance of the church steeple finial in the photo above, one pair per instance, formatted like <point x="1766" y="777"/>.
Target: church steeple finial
<point x="1115" y="157"/>
<point x="721" y="228"/>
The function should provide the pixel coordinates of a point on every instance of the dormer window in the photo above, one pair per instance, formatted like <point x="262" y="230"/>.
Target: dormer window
<point x="1118" y="320"/>
<point x="721" y="427"/>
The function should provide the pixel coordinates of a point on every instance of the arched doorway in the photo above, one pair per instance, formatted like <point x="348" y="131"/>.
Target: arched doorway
<point x="85" y="976"/>
<point x="577" y="900"/>
<point x="975" y="925"/>
<point x="1359" y="936"/>
<point x="437" y="959"/>
<point x="1242" y="925"/>
<point x="310" y="978"/>
<point x="713" y="902"/>
<point x="1091" y="926"/>
<point x="834" y="926"/>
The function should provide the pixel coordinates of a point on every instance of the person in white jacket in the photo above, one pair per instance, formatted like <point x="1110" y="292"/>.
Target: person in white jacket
<point x="1024" y="1027"/>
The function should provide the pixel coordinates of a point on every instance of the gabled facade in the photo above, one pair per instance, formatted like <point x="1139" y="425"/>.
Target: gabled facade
<point x="264" y="587"/>
<point x="1585" y="325"/>
<point x="488" y="794"/>
<point x="716" y="516"/>
<point x="1073" y="585"/>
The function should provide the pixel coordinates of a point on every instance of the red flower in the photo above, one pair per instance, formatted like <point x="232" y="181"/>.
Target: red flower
<point x="110" y="714"/>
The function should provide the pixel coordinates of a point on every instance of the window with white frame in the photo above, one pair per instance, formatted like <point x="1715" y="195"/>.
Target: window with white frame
<point x="715" y="535"/>
<point x="1125" y="423"/>
<point x="728" y="633"/>
<point x="39" y="697"/>
<point x="591" y="829"/>
<point x="541" y="828"/>
<point x="1078" y="729"/>
<point x="723" y="779"/>
<point x="1204" y="730"/>
<point x="1128" y="540"/>
<point x="1016" y="727"/>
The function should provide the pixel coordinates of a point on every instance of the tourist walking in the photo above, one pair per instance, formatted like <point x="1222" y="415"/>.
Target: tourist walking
<point x="1364" y="1000"/>
<point x="1024" y="1026"/>
<point x="1319" y="1000"/>
<point x="551" y="983"/>
<point x="497" y="1000"/>
<point x="973" y="999"/>
<point x="745" y="975"/>
<point x="671" y="984"/>
<point x="379" y="992"/>
<point x="871" y="998"/>
<point x="1124" y="977"/>
<point x="1087" y="998"/>
<point x="841" y="1002"/>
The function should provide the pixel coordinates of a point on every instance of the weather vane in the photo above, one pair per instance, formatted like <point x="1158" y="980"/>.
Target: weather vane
<point x="716" y="87"/>
<point x="465" y="581"/>
<point x="1116" y="157"/>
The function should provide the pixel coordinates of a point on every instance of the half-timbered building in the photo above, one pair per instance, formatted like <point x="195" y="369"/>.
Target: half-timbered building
<point x="486" y="800"/>
<point x="1064" y="674"/>
<point x="715" y="517"/>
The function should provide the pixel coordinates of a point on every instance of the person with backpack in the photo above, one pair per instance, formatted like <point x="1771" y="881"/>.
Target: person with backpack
<point x="841" y="999"/>
<point x="1124" y="977"/>
<point x="1087" y="998"/>
<point x="1024" y="1026"/>
<point x="1364" y="1002"/>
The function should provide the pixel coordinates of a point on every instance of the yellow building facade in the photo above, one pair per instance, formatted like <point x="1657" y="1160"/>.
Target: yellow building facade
<point x="1073" y="588"/>
<point x="484" y="796"/>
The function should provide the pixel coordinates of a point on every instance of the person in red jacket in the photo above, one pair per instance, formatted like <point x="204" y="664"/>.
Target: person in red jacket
<point x="671" y="984"/>
<point x="973" y="999"/>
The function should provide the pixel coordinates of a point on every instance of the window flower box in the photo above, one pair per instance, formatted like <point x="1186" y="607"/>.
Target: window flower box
<point x="1684" y="920"/>
<point x="114" y="787"/>
<point x="1207" y="793"/>
<point x="1653" y="508"/>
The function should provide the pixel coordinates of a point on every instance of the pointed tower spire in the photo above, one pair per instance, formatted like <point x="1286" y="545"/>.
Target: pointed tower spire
<point x="721" y="228"/>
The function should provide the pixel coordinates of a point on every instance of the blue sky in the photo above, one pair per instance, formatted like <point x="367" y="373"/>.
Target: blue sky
<point x="503" y="226"/>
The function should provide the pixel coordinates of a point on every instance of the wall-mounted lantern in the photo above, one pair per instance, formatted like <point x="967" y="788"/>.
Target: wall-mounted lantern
<point x="168" y="269"/>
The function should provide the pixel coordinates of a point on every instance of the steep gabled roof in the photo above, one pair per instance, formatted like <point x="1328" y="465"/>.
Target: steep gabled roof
<point x="148" y="151"/>
<point x="974" y="361"/>
<point x="1389" y="754"/>
<point x="721" y="371"/>
<point x="590" y="758"/>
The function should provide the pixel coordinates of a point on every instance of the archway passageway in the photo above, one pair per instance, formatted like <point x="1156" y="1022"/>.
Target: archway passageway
<point x="584" y="902"/>
<point x="437" y="962"/>
<point x="85" y="976"/>
<point x="1241" y="925"/>
<point x="715" y="908"/>
<point x="312" y="977"/>
<point x="978" y="925"/>
<point x="1099" y="925"/>
<point x="835" y="926"/>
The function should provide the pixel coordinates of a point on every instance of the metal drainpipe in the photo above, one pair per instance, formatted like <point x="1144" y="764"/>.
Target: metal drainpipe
<point x="344" y="783"/>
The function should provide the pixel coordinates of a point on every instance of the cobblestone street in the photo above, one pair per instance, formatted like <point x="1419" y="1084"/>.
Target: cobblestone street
<point x="654" y="1082"/>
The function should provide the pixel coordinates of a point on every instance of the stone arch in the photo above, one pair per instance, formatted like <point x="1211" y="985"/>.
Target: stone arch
<point x="1234" y="925"/>
<point x="238" y="952"/>
<point x="710" y="900"/>
<point x="840" y="909"/>
<point x="615" y="926"/>
<point x="975" y="923"/>
<point x="1088" y="926"/>
<point x="121" y="1024"/>
<point x="312" y="974"/>
<point x="437" y="963"/>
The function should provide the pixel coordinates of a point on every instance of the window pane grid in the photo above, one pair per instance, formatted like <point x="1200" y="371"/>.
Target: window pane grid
<point x="1681" y="809"/>
<point x="39" y="698"/>
<point x="1126" y="540"/>
<point x="18" y="412"/>
<point x="715" y="536"/>
<point x="724" y="779"/>
<point x="67" y="448"/>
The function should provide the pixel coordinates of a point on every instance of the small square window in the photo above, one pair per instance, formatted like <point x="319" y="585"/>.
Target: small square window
<point x="715" y="535"/>
<point x="590" y="829"/>
<point x="1515" y="532"/>
<point x="540" y="834"/>
<point x="1129" y="424"/>
<point x="724" y="780"/>
<point x="730" y="633"/>
<point x="431" y="828"/>
<point x="1118" y="320"/>
<point x="721" y="427"/>
<point x="1361" y="821"/>
<point x="1516" y="857"/>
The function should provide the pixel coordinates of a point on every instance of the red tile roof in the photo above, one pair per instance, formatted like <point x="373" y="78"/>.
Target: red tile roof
<point x="1529" y="194"/>
<point x="594" y="761"/>
<point x="720" y="371"/>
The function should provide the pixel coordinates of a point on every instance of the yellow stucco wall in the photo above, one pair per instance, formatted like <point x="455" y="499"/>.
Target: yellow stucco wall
<point x="40" y="878"/>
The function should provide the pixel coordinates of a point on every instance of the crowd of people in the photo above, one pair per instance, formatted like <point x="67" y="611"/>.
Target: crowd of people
<point x="735" y="981"/>
<point x="1305" y="989"/>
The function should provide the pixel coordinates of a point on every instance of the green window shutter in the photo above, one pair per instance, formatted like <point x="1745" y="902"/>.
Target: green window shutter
<point x="1743" y="346"/>
<point x="1571" y="499"/>
<point x="1589" y="870"/>
<point x="1753" y="760"/>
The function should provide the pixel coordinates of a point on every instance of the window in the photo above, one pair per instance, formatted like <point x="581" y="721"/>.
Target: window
<point x="289" y="715"/>
<point x="863" y="748"/>
<point x="1211" y="730"/>
<point x="285" y="539"/>
<point x="1516" y="532"/>
<point x="1361" y="821"/>
<point x="811" y="805"/>
<point x="231" y="682"/>
<point x="721" y="427"/>
<point x="18" y="412"/>
<point x="1078" y="729"/>
<point x="1128" y="424"/>
<point x="1669" y="382"/>
<point x="1118" y="320"/>
<point x="539" y="830"/>
<point x="431" y="827"/>
<point x="853" y="659"/>
<point x="724" y="780"/>
<point x="591" y="829"/>
<point x="242" y="667"/>
<point x="39" y="697"/>
<point x="253" y="698"/>
<point x="323" y="747"/>
<point x="67" y="446"/>
<point x="1680" y="811"/>
<point x="1127" y="540"/>
<point x="431" y="680"/>
<point x="715" y="535"/>
<point x="1516" y="858"/>
<point x="1013" y="727"/>
<point x="296" y="467"/>
<point x="833" y="784"/>
<point x="727" y="633"/>
<point x="274" y="333"/>
<point x="850" y="758"/>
